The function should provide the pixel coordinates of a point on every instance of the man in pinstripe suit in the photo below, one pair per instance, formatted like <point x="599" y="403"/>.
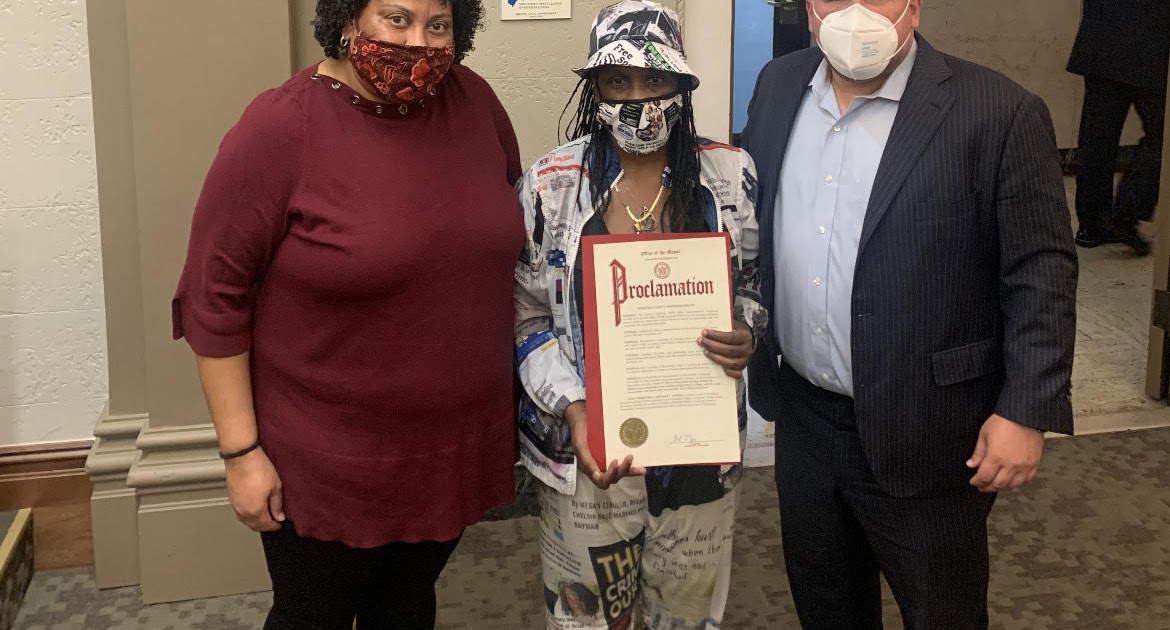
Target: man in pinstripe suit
<point x="918" y="252"/>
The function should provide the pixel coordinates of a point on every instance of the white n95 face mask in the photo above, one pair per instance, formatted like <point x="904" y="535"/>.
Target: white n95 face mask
<point x="860" y="43"/>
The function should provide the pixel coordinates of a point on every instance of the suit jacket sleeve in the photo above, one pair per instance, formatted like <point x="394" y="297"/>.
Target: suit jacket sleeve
<point x="753" y="115"/>
<point x="1038" y="275"/>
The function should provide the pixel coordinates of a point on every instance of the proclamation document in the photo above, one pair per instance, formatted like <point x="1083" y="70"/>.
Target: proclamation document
<point x="652" y="392"/>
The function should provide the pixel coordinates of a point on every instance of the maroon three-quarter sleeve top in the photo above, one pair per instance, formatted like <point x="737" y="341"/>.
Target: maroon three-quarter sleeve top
<point x="364" y="258"/>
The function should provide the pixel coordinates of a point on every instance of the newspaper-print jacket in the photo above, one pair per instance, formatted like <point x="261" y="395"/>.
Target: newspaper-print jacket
<point x="555" y="195"/>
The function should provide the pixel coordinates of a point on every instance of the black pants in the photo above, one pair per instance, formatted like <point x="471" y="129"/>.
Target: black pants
<point x="1106" y="107"/>
<point x="321" y="585"/>
<point x="840" y="530"/>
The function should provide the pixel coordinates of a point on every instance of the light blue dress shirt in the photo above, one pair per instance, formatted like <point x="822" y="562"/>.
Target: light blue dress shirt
<point x="824" y="191"/>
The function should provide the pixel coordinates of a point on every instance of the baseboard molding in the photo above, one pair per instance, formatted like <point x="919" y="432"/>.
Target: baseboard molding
<point x="191" y="436"/>
<point x="176" y="457"/>
<point x="16" y="566"/>
<point x="32" y="458"/>
<point x="190" y="544"/>
<point x="115" y="447"/>
<point x="1128" y="421"/>
<point x="160" y="514"/>
<point x="113" y="506"/>
<point x="50" y="479"/>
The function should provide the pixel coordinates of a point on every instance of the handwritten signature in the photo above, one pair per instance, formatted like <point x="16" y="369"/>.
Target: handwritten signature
<point x="687" y="440"/>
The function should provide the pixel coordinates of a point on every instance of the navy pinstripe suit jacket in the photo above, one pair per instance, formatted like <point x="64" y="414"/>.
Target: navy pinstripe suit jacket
<point x="964" y="299"/>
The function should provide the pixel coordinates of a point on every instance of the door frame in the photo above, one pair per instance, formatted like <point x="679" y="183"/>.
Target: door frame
<point x="1157" y="360"/>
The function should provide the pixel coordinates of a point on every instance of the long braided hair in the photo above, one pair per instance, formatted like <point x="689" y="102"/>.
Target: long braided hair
<point x="684" y="210"/>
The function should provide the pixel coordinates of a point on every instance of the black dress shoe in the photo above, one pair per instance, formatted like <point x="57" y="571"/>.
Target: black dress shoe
<point x="1138" y="243"/>
<point x="1091" y="237"/>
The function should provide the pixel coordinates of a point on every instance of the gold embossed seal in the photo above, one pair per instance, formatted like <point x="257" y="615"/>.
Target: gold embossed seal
<point x="634" y="432"/>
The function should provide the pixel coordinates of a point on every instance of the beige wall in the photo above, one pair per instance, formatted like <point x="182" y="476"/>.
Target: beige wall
<point x="117" y="198"/>
<point x="52" y="316"/>
<point x="1028" y="41"/>
<point x="530" y="64"/>
<point x="173" y="147"/>
<point x="305" y="49"/>
<point x="708" y="28"/>
<point x="160" y="517"/>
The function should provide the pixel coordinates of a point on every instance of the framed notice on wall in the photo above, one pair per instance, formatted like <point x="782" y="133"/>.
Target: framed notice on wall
<point x="536" y="9"/>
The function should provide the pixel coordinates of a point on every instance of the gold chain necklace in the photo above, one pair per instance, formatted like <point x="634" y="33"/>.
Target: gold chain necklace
<point x="645" y="221"/>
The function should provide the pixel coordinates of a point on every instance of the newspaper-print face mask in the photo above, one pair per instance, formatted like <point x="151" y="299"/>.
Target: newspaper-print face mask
<point x="641" y="126"/>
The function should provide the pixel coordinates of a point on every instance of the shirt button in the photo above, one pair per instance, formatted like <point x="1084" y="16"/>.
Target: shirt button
<point x="836" y="127"/>
<point x="829" y="179"/>
<point x="817" y="281"/>
<point x="821" y="230"/>
<point x="825" y="377"/>
<point x="819" y="331"/>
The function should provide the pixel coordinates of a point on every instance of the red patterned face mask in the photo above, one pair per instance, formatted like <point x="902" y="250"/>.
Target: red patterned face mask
<point x="402" y="75"/>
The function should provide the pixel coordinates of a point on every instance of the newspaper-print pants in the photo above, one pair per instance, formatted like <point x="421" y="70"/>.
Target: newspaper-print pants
<point x="619" y="559"/>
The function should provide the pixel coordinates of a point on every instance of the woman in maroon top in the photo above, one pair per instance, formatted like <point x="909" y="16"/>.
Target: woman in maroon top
<point x="348" y="293"/>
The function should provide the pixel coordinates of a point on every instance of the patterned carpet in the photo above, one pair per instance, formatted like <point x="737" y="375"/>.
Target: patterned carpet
<point x="1085" y="547"/>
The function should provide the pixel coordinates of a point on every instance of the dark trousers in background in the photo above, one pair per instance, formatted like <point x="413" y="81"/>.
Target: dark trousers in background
<point x="1106" y="108"/>
<point x="840" y="530"/>
<point x="319" y="585"/>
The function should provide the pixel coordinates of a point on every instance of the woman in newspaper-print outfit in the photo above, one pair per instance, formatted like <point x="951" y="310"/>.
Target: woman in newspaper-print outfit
<point x="620" y="544"/>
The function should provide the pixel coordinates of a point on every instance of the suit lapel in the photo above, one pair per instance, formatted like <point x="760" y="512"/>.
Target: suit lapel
<point x="922" y="110"/>
<point x="791" y="89"/>
<point x="768" y="146"/>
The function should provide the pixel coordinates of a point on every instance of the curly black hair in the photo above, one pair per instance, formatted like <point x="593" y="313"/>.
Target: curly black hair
<point x="334" y="15"/>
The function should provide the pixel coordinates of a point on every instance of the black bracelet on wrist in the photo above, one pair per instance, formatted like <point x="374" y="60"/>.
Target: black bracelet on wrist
<point x="226" y="456"/>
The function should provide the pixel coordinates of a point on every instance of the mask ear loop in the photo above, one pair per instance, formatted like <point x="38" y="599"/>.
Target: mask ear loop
<point x="903" y="45"/>
<point x="905" y="10"/>
<point x="822" y="21"/>
<point x="898" y="50"/>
